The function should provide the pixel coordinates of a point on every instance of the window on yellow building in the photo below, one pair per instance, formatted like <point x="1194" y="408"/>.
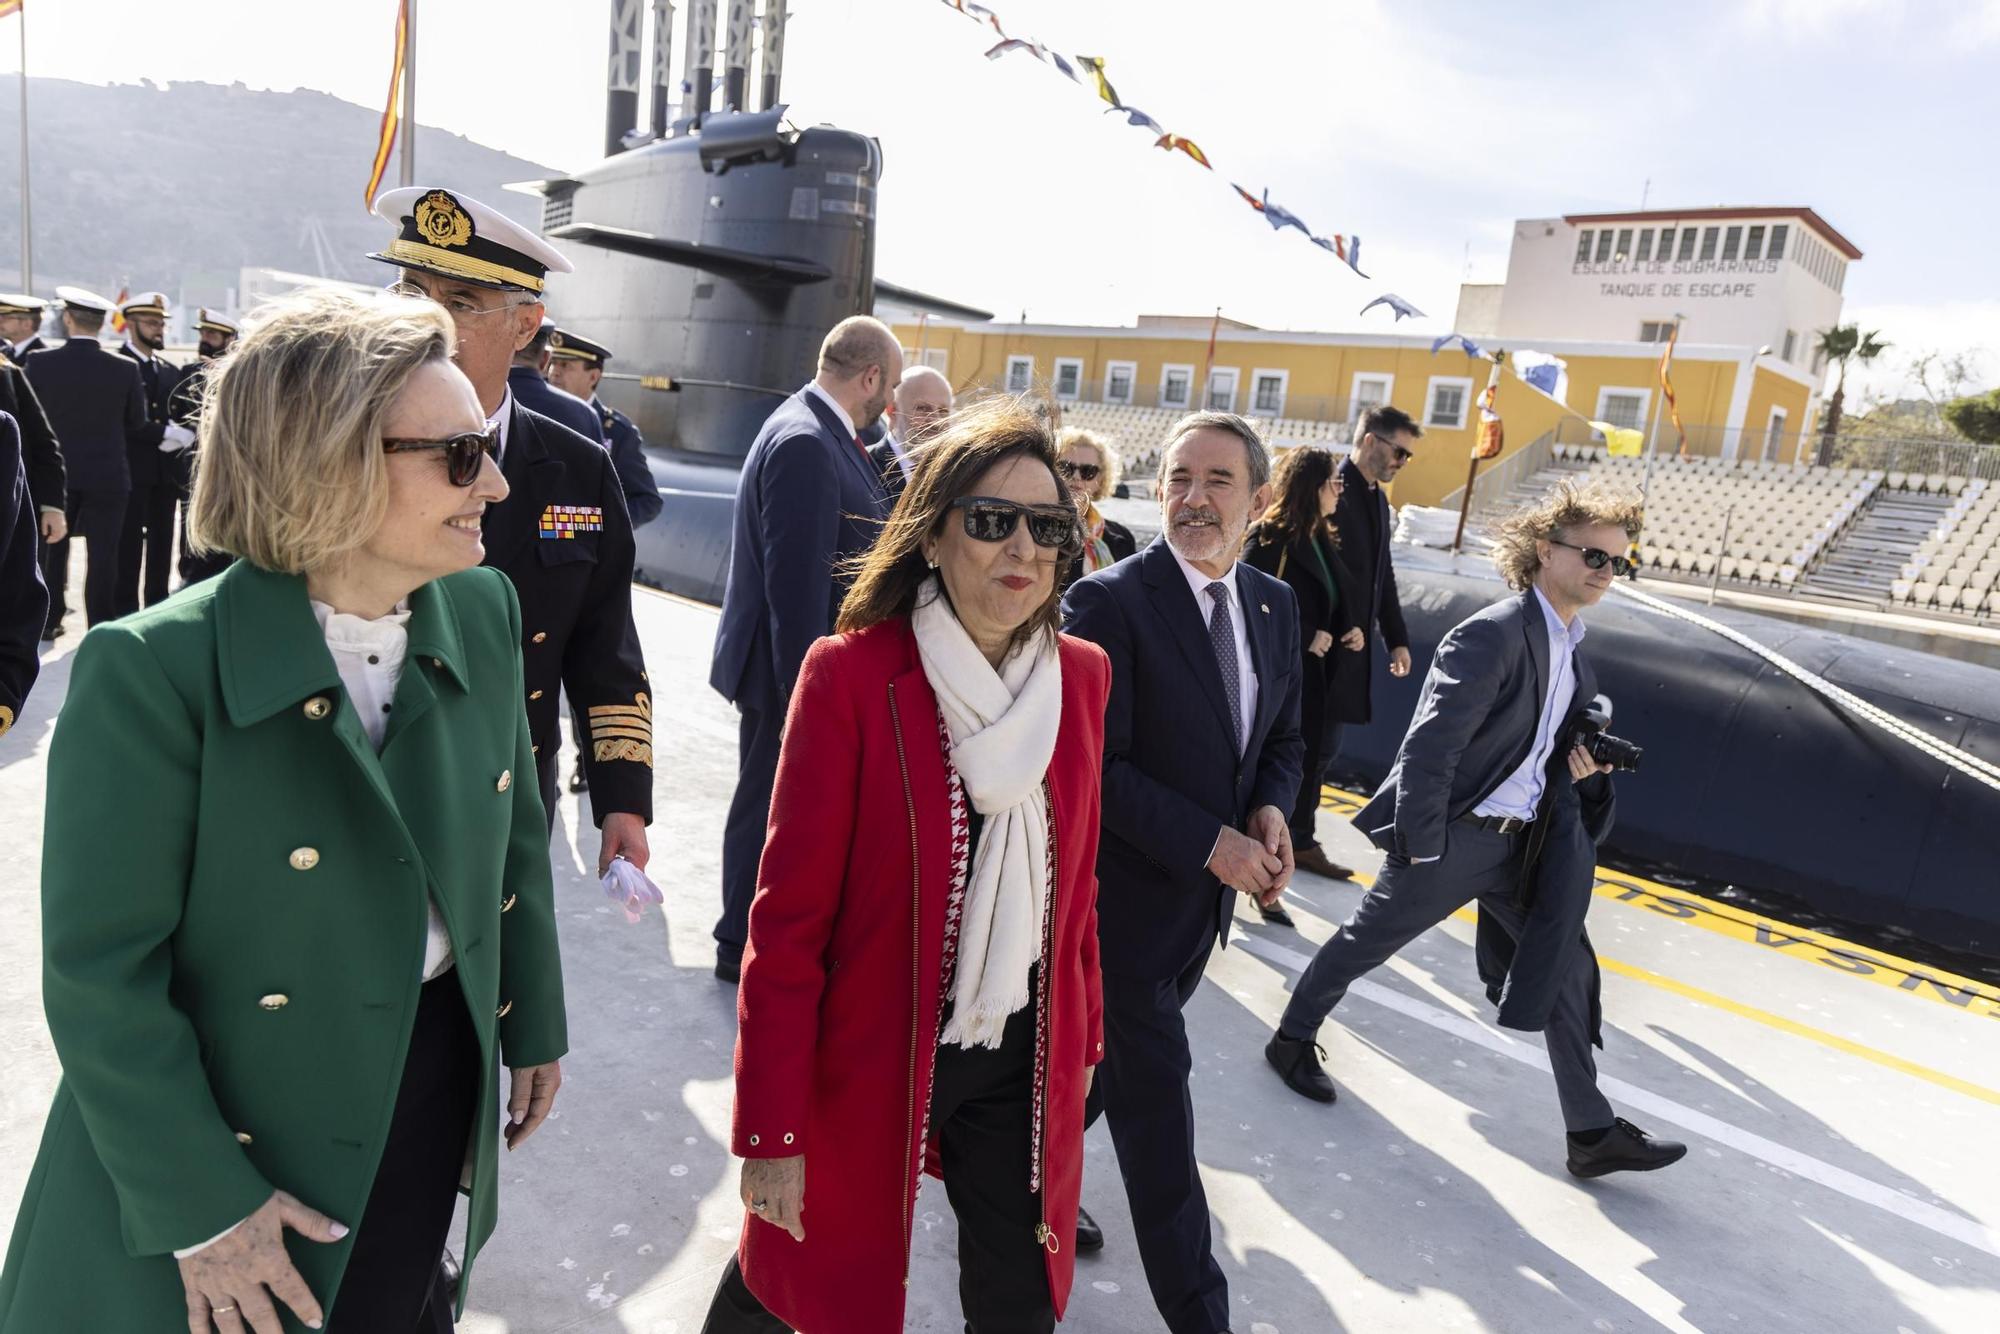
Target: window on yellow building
<point x="1221" y="390"/>
<point x="1444" y="405"/>
<point x="1020" y="374"/>
<point x="1624" y="408"/>
<point x="1267" y="392"/>
<point x="1119" y="377"/>
<point x="1370" y="391"/>
<point x="1176" y="386"/>
<point x="1069" y="378"/>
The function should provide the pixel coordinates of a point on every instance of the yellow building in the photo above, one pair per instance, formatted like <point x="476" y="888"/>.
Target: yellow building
<point x="1735" y="399"/>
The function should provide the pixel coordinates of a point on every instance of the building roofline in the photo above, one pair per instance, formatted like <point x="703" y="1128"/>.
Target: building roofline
<point x="1806" y="215"/>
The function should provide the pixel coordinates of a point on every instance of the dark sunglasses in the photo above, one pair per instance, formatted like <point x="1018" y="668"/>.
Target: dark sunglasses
<point x="1087" y="471"/>
<point x="462" y="452"/>
<point x="1596" y="559"/>
<point x="991" y="519"/>
<point x="1403" y="453"/>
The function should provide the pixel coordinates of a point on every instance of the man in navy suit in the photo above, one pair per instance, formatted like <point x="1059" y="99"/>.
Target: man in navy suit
<point x="808" y="500"/>
<point x="1202" y="758"/>
<point x="1491" y="799"/>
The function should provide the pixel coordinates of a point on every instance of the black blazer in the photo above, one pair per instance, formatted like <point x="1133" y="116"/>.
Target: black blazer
<point x="883" y="455"/>
<point x="808" y="498"/>
<point x="1118" y="540"/>
<point x="1322" y="606"/>
<point x="96" y="405"/>
<point x="41" y="455"/>
<point x="1475" y="723"/>
<point x="563" y="537"/>
<point x="1172" y="777"/>
<point x="1377" y="611"/>
<point x="24" y="600"/>
<point x="159" y="376"/>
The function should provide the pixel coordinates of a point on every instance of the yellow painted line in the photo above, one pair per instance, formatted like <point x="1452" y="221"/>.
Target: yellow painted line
<point x="1965" y="994"/>
<point x="1847" y="1046"/>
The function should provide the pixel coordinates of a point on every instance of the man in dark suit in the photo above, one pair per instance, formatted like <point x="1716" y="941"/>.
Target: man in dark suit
<point x="1202" y="757"/>
<point x="24" y="603"/>
<point x="576" y="365"/>
<point x="528" y="378"/>
<point x="917" y="411"/>
<point x="146" y="547"/>
<point x="1491" y="799"/>
<point x="1385" y="440"/>
<point x="808" y="500"/>
<point x="96" y="405"/>
<point x="562" y="535"/>
<point x="42" y="462"/>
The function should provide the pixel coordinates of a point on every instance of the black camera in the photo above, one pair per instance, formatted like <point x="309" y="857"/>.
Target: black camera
<point x="1600" y="745"/>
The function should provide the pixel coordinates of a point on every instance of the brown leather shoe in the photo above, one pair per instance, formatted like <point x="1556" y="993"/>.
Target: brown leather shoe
<point x="1314" y="859"/>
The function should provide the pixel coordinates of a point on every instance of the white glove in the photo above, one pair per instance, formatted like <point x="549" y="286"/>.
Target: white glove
<point x="176" y="438"/>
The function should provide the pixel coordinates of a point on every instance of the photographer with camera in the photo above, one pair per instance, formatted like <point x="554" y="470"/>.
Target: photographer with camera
<point x="1500" y="793"/>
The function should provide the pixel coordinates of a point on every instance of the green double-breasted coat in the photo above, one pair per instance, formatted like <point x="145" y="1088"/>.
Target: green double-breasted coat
<point x="234" y="891"/>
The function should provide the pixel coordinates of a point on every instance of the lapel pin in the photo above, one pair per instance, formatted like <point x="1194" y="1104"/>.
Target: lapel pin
<point x="1264" y="607"/>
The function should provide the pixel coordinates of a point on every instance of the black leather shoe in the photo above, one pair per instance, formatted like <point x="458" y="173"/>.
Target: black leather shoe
<point x="1314" y="859"/>
<point x="1624" y="1148"/>
<point x="728" y="961"/>
<point x="1298" y="1063"/>
<point x="52" y="633"/>
<point x="1275" y="914"/>
<point x="1089" y="1236"/>
<point x="449" y="1273"/>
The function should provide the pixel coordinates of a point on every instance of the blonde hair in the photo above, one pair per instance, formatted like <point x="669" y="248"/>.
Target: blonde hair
<point x="1570" y="504"/>
<point x="1109" y="464"/>
<point x="290" y="475"/>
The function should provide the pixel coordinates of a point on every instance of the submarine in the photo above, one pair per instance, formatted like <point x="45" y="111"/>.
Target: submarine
<point x="713" y="251"/>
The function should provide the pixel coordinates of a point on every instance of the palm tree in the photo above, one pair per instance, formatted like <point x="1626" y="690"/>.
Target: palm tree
<point x="1839" y="344"/>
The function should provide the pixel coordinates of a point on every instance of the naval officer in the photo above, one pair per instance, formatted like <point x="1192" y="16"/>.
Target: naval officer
<point x="562" y="534"/>
<point x="21" y="324"/>
<point x="576" y="365"/>
<point x="148" y="539"/>
<point x="182" y="441"/>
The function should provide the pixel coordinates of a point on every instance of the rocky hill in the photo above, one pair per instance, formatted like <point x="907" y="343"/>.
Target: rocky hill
<point x="179" y="187"/>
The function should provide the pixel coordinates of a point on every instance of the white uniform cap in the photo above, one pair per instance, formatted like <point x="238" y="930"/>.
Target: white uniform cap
<point x="146" y="303"/>
<point x="458" y="237"/>
<point x="81" y="298"/>
<point x="20" y="303"/>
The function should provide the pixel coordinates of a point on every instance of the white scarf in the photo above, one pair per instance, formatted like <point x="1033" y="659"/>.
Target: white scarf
<point x="1003" y="735"/>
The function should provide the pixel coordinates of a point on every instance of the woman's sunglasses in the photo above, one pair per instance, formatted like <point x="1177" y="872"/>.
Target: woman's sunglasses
<point x="1596" y="559"/>
<point x="462" y="452"/>
<point x="1087" y="471"/>
<point x="991" y="519"/>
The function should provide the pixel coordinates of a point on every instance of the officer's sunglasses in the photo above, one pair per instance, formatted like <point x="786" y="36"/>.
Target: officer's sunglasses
<point x="462" y="452"/>
<point x="1596" y="559"/>
<point x="991" y="519"/>
<point x="1087" y="471"/>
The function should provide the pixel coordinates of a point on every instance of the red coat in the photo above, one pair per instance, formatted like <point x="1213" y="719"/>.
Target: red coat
<point x="837" y="1014"/>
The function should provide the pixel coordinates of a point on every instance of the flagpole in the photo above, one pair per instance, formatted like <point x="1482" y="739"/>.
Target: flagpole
<point x="27" y="214"/>
<point x="1208" y="362"/>
<point x="409" y="125"/>
<point x="1472" y="473"/>
<point x="1653" y="444"/>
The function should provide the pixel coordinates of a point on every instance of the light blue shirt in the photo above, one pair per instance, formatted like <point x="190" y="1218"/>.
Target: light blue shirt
<point x="1521" y="791"/>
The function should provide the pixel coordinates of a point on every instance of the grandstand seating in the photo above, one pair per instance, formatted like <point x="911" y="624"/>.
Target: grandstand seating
<point x="1136" y="432"/>
<point x="1957" y="568"/>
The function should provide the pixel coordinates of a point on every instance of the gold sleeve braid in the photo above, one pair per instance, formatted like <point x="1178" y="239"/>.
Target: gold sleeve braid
<point x="622" y="731"/>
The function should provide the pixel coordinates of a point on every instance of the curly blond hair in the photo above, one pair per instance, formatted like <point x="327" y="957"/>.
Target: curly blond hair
<point x="1107" y="457"/>
<point x="1570" y="504"/>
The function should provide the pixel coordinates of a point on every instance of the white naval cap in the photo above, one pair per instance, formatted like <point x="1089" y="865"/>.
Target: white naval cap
<point x="20" y="303"/>
<point x="458" y="237"/>
<point x="146" y="303"/>
<point x="82" y="298"/>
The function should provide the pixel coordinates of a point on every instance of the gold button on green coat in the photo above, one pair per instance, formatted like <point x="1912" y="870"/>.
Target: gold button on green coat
<point x="506" y="780"/>
<point x="218" y="989"/>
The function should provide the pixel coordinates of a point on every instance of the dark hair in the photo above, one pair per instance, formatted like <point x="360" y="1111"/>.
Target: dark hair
<point x="1255" y="452"/>
<point x="1384" y="420"/>
<point x="1295" y="486"/>
<point x="948" y="465"/>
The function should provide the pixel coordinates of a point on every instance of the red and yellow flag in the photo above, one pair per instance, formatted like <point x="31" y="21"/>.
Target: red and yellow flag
<point x="1667" y="388"/>
<point x="9" y="7"/>
<point x="1171" y="142"/>
<point x="118" y="309"/>
<point x="1492" y="436"/>
<point x="392" y="110"/>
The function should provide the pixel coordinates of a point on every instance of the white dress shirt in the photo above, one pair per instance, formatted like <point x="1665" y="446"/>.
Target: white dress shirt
<point x="1520" y="793"/>
<point x="499" y="420"/>
<point x="812" y="387"/>
<point x="1246" y="671"/>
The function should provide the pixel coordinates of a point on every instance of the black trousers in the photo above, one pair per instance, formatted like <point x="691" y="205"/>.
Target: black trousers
<point x="98" y="517"/>
<point x="1144" y="1082"/>
<point x="392" y="1281"/>
<point x="54" y="560"/>
<point x="148" y="537"/>
<point x="1320" y="750"/>
<point x="757" y="737"/>
<point x="981" y="1111"/>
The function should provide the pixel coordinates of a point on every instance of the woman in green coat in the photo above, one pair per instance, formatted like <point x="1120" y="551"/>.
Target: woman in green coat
<point x="295" y="884"/>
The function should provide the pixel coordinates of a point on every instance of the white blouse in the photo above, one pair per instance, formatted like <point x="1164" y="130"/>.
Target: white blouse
<point x="369" y="657"/>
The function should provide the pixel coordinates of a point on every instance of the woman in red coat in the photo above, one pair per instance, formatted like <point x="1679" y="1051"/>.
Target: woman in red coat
<point x="920" y="990"/>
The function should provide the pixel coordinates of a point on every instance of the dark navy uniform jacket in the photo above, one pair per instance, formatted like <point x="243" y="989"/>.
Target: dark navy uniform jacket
<point x="808" y="498"/>
<point x="628" y="455"/>
<point x="159" y="376"/>
<point x="96" y="404"/>
<point x="41" y="455"/>
<point x="24" y="600"/>
<point x="536" y="394"/>
<point x="564" y="538"/>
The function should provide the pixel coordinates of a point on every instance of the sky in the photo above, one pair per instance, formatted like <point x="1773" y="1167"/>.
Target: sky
<point x="1424" y="126"/>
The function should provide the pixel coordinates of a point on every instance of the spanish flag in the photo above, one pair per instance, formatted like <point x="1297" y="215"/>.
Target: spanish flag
<point x="9" y="7"/>
<point x="392" y="110"/>
<point x="1667" y="388"/>
<point x="124" y="291"/>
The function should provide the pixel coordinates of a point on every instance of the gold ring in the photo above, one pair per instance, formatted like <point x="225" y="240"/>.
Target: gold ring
<point x="220" y="1310"/>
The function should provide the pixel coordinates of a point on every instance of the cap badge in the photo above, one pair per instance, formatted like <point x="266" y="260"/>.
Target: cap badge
<point x="441" y="221"/>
